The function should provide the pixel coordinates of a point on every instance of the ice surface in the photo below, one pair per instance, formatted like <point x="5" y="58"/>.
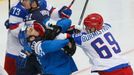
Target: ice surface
<point x="119" y="13"/>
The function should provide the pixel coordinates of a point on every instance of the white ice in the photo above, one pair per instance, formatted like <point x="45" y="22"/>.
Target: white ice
<point x="119" y="13"/>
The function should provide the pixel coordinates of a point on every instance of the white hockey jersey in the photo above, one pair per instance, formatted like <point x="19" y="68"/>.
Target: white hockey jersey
<point x="102" y="49"/>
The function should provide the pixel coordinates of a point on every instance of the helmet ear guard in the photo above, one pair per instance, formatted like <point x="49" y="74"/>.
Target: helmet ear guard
<point x="94" y="20"/>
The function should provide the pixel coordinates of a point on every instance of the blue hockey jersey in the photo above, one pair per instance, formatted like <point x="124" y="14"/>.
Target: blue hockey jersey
<point x="53" y="60"/>
<point x="51" y="56"/>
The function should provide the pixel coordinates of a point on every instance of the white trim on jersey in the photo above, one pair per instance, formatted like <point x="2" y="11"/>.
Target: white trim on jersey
<point x="38" y="49"/>
<point x="15" y="19"/>
<point x="61" y="36"/>
<point x="97" y="46"/>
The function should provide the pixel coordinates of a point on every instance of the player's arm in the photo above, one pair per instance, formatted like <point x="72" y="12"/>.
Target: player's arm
<point x="56" y="13"/>
<point x="16" y="16"/>
<point x="58" y="30"/>
<point x="63" y="36"/>
<point x="70" y="48"/>
<point x="61" y="12"/>
<point x="49" y="46"/>
<point x="77" y="38"/>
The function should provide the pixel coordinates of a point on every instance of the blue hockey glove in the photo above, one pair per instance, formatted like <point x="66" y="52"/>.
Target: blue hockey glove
<point x="65" y="12"/>
<point x="64" y="24"/>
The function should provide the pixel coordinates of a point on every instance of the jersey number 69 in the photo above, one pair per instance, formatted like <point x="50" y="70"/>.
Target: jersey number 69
<point x="103" y="49"/>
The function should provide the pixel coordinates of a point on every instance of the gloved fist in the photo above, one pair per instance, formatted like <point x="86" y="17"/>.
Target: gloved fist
<point x="57" y="29"/>
<point x="7" y="23"/>
<point x="75" y="29"/>
<point x="70" y="49"/>
<point x="53" y="32"/>
<point x="65" y="12"/>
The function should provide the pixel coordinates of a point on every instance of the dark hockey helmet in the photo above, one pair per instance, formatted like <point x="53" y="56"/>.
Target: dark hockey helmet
<point x="31" y="1"/>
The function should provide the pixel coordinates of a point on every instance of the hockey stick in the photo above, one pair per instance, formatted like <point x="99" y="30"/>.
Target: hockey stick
<point x="81" y="17"/>
<point x="83" y="12"/>
<point x="9" y="5"/>
<point x="71" y="4"/>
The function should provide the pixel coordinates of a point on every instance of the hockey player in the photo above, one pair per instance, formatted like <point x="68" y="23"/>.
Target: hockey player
<point x="99" y="44"/>
<point x="28" y="65"/>
<point x="49" y="52"/>
<point x="44" y="12"/>
<point x="18" y="13"/>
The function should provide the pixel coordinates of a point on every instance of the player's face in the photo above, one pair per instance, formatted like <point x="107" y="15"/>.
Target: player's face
<point x="34" y="5"/>
<point x="90" y="30"/>
<point x="32" y="33"/>
<point x="27" y="4"/>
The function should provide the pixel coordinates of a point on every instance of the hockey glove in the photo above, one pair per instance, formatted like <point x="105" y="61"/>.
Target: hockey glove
<point x="53" y="32"/>
<point x="65" y="12"/>
<point x="56" y="29"/>
<point x="70" y="48"/>
<point x="75" y="29"/>
<point x="7" y="23"/>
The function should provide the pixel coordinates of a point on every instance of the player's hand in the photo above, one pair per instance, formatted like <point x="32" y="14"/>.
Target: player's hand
<point x="65" y="12"/>
<point x="78" y="27"/>
<point x="75" y="29"/>
<point x="56" y="29"/>
<point x="53" y="32"/>
<point x="7" y="23"/>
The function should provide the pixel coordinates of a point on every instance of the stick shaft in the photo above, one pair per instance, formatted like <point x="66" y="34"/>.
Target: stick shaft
<point x="71" y="4"/>
<point x="83" y="12"/>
